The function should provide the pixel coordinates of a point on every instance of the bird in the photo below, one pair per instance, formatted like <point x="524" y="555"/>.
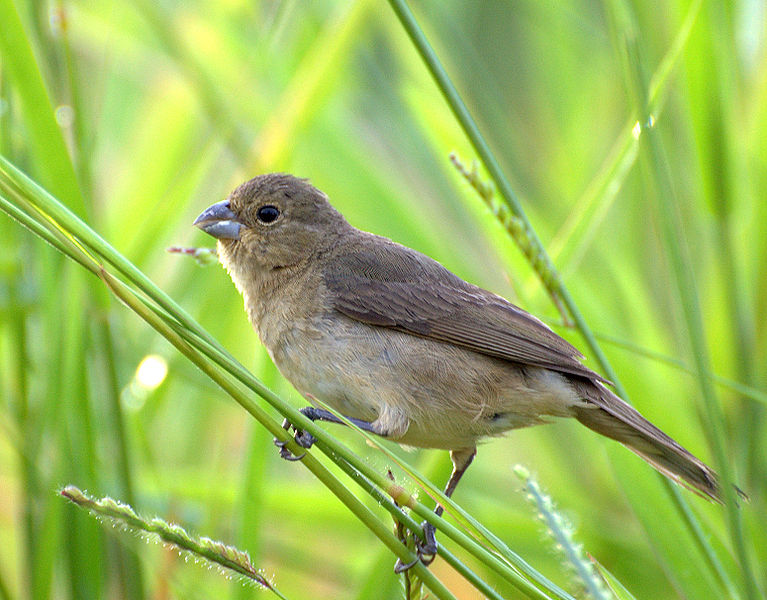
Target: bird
<point x="404" y="348"/>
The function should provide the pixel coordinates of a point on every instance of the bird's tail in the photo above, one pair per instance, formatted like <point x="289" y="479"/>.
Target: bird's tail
<point x="607" y="414"/>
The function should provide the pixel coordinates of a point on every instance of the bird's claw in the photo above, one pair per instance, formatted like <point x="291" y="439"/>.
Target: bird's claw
<point x="426" y="550"/>
<point x="400" y="567"/>
<point x="285" y="453"/>
<point x="302" y="438"/>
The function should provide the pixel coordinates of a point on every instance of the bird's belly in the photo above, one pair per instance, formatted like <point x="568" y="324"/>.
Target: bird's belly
<point x="447" y="395"/>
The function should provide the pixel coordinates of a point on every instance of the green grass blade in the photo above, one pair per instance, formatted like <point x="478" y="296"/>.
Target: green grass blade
<point x="667" y="211"/>
<point x="518" y="565"/>
<point x="48" y="149"/>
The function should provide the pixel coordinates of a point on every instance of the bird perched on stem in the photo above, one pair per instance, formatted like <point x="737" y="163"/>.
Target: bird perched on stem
<point x="403" y="347"/>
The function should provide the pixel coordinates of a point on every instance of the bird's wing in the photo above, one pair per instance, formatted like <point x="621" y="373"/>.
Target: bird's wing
<point x="389" y="285"/>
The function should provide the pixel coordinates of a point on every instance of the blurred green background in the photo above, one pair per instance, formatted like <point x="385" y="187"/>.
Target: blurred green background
<point x="164" y="107"/>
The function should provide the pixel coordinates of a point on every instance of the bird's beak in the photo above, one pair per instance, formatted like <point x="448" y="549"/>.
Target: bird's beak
<point x="219" y="221"/>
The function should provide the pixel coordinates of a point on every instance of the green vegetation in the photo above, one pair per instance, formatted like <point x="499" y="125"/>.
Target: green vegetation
<point x="618" y="195"/>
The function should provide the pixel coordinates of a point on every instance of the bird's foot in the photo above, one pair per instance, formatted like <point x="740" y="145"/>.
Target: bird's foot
<point x="426" y="550"/>
<point x="302" y="438"/>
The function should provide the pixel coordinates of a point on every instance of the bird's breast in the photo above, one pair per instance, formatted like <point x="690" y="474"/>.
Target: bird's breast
<point x="320" y="360"/>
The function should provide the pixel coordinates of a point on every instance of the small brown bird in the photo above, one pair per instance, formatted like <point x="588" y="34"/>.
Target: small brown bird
<point x="406" y="349"/>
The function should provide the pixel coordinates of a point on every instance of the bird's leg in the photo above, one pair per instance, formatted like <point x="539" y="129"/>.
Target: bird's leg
<point x="306" y="439"/>
<point x="461" y="459"/>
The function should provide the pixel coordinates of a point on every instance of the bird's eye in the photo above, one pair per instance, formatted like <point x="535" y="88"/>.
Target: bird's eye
<point x="268" y="213"/>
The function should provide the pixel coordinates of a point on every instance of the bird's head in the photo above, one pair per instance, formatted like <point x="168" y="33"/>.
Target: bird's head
<point x="271" y="222"/>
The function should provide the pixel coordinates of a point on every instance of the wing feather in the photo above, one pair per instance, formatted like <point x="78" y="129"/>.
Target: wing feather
<point x="389" y="285"/>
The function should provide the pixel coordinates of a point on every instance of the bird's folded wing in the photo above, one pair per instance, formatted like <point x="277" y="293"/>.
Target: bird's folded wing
<point x="395" y="288"/>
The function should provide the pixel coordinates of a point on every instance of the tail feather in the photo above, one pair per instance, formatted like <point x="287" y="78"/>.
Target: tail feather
<point x="610" y="416"/>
